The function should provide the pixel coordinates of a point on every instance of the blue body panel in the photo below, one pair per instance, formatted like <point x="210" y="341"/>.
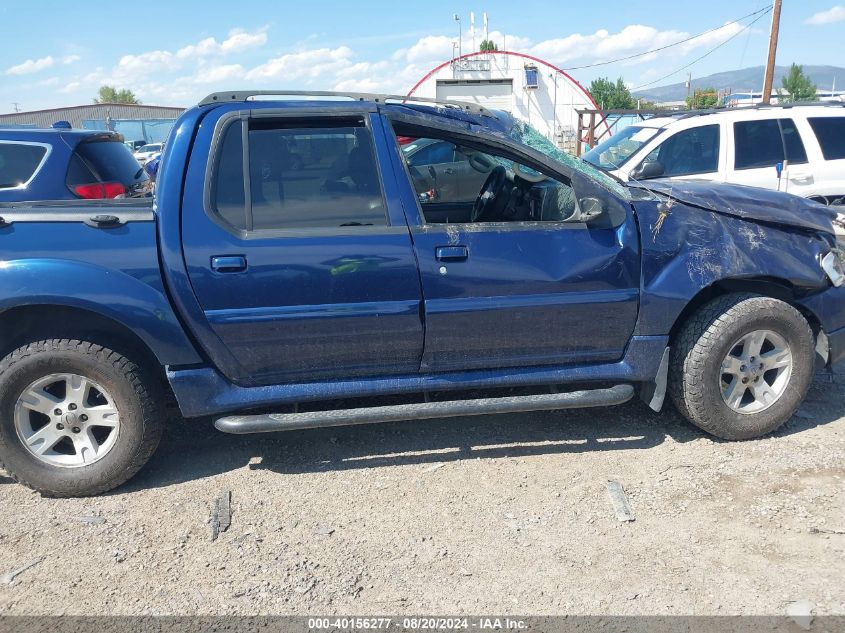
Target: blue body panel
<point x="112" y="272"/>
<point x="696" y="248"/>
<point x="312" y="303"/>
<point x="204" y="391"/>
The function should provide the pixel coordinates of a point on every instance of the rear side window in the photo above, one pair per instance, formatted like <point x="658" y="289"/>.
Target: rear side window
<point x="19" y="162"/>
<point x="692" y="151"/>
<point x="302" y="174"/>
<point x="111" y="160"/>
<point x="831" y="134"/>
<point x="95" y="164"/>
<point x="766" y="143"/>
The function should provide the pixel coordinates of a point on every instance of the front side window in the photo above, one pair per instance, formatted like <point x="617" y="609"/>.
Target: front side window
<point x="482" y="186"/>
<point x="830" y="131"/>
<point x="18" y="163"/>
<point x="767" y="142"/>
<point x="301" y="174"/>
<point x="689" y="152"/>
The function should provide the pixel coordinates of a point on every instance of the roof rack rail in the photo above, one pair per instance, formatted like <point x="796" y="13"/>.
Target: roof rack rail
<point x="246" y="95"/>
<point x="684" y="114"/>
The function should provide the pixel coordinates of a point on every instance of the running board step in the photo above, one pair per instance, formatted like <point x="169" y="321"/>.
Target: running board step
<point x="267" y="423"/>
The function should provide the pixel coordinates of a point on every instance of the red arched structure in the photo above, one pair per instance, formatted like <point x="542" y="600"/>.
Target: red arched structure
<point x="560" y="71"/>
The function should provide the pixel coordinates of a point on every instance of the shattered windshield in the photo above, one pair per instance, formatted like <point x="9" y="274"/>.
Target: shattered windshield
<point x="523" y="133"/>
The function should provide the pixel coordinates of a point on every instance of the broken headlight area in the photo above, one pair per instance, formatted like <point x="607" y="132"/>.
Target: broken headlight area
<point x="832" y="265"/>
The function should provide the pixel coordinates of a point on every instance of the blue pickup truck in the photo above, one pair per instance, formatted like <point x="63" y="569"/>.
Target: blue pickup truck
<point x="291" y="273"/>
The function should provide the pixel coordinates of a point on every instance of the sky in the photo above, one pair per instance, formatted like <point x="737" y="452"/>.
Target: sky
<point x="174" y="53"/>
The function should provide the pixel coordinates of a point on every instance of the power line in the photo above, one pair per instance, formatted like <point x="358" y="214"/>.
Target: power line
<point x="764" y="10"/>
<point x="698" y="59"/>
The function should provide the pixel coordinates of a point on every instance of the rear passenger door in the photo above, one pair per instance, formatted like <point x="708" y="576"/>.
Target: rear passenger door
<point x="759" y="145"/>
<point x="301" y="260"/>
<point x="829" y="166"/>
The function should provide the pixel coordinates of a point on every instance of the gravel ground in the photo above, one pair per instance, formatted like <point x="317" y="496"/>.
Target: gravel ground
<point x="500" y="514"/>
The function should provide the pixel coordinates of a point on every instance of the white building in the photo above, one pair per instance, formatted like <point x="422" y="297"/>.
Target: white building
<point x="529" y="88"/>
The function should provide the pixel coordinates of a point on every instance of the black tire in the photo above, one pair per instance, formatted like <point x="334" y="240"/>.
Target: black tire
<point x="137" y="397"/>
<point x="706" y="339"/>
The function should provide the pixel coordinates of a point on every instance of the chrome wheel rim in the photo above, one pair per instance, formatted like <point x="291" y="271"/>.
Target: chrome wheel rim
<point x="67" y="420"/>
<point x="756" y="371"/>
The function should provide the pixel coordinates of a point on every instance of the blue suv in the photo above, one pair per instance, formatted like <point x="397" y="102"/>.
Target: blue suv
<point x="63" y="164"/>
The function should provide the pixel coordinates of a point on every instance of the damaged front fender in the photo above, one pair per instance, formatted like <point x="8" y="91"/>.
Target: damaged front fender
<point x="686" y="249"/>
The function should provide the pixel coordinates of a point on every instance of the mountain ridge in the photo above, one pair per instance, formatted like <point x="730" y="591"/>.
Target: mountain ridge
<point x="743" y="80"/>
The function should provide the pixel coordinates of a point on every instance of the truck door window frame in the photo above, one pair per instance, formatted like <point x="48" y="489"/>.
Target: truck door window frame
<point x="615" y="216"/>
<point x="243" y="118"/>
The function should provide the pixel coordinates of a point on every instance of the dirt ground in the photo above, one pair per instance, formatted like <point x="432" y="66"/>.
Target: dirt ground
<point x="498" y="514"/>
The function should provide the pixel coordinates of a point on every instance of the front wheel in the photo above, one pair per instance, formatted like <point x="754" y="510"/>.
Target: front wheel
<point x="741" y="366"/>
<point x="76" y="418"/>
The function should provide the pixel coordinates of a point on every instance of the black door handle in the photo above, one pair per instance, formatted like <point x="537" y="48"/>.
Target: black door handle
<point x="451" y="253"/>
<point x="228" y="263"/>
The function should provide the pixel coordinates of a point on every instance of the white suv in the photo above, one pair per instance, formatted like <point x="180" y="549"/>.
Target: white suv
<point x="799" y="149"/>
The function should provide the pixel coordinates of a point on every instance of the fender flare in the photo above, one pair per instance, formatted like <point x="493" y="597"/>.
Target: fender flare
<point x="116" y="295"/>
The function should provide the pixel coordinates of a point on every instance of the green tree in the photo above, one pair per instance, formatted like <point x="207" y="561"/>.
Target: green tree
<point x="611" y="95"/>
<point x="110" y="94"/>
<point x="488" y="45"/>
<point x="797" y="86"/>
<point x="703" y="98"/>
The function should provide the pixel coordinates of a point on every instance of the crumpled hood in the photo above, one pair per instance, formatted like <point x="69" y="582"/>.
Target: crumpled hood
<point x="748" y="203"/>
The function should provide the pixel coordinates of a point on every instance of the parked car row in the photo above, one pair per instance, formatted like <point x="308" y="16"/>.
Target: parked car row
<point x="271" y="297"/>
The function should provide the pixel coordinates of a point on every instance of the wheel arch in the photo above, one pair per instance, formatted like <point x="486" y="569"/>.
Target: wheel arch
<point x="25" y="324"/>
<point x="80" y="292"/>
<point x="774" y="287"/>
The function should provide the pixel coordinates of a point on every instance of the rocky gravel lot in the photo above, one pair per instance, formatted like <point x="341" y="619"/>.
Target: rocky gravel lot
<point x="504" y="514"/>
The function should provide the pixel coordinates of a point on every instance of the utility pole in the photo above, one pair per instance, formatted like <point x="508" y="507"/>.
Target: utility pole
<point x="773" y="49"/>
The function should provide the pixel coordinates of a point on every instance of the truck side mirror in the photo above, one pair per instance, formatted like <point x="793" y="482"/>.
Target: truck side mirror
<point x="651" y="169"/>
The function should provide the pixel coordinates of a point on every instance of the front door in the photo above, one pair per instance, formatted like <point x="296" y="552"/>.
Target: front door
<point x="303" y="268"/>
<point x="523" y="280"/>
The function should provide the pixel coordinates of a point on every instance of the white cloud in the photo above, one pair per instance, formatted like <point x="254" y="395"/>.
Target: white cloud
<point x="183" y="75"/>
<point x="70" y="59"/>
<point x="603" y="46"/>
<point x="714" y="38"/>
<point x="73" y="86"/>
<point x="213" y="74"/>
<point x="31" y="66"/>
<point x="307" y="64"/>
<point x="237" y="42"/>
<point x="144" y="64"/>
<point x="834" y="14"/>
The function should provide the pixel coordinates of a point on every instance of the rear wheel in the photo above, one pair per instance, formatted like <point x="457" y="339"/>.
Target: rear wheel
<point x="76" y="418"/>
<point x="741" y="366"/>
